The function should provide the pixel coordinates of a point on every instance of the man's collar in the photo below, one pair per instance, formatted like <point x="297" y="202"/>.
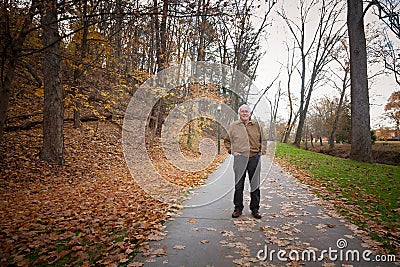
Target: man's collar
<point x="250" y="122"/>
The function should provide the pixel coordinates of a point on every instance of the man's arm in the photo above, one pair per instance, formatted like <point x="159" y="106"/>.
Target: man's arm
<point x="263" y="142"/>
<point x="227" y="143"/>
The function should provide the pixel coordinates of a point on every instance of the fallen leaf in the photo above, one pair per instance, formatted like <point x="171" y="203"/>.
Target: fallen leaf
<point x="179" y="247"/>
<point x="227" y="233"/>
<point x="192" y="220"/>
<point x="135" y="264"/>
<point x="129" y="251"/>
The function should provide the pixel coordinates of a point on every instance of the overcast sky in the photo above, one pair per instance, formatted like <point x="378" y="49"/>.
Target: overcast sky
<point x="276" y="55"/>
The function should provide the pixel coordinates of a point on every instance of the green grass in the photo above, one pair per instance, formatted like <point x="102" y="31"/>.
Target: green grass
<point x="94" y="251"/>
<point x="371" y="191"/>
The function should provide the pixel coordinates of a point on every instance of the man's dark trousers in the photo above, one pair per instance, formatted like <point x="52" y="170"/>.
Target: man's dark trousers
<point x="252" y="165"/>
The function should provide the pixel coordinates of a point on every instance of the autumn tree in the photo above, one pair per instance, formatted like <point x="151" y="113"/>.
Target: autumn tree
<point x="12" y="41"/>
<point x="392" y="109"/>
<point x="361" y="146"/>
<point x="323" y="117"/>
<point x="107" y="49"/>
<point x="211" y="32"/>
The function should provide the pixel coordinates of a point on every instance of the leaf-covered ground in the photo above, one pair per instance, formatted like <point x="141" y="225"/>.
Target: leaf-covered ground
<point x="88" y="212"/>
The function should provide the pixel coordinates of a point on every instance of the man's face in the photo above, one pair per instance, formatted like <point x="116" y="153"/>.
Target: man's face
<point x="244" y="114"/>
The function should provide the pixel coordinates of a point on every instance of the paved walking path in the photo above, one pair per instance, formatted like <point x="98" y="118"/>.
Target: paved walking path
<point x="294" y="220"/>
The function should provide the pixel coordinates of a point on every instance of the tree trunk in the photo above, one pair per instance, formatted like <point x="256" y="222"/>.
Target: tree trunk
<point x="304" y="107"/>
<point x="201" y="20"/>
<point x="287" y="134"/>
<point x="302" y="115"/>
<point x="361" y="145"/>
<point x="162" y="60"/>
<point x="153" y="39"/>
<point x="288" y="128"/>
<point x="162" y="63"/>
<point x="162" y="43"/>
<point x="299" y="130"/>
<point x="305" y="139"/>
<point x="11" y="63"/>
<point x="79" y="72"/>
<point x="5" y="94"/>
<point x="337" y="115"/>
<point x="312" y="140"/>
<point x="77" y="115"/>
<point x="53" y="111"/>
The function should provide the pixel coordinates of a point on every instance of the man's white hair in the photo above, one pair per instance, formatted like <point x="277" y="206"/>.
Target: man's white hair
<point x="245" y="106"/>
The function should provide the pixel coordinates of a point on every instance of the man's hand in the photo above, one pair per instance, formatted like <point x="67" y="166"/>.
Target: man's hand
<point x="236" y="153"/>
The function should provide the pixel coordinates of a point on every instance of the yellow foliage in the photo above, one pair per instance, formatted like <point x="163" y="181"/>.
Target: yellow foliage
<point x="39" y="92"/>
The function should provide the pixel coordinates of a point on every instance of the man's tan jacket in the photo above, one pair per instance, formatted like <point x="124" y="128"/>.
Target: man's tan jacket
<point x="247" y="140"/>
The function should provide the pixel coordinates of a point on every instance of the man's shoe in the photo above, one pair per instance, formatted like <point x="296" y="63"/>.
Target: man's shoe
<point x="236" y="213"/>
<point x="256" y="214"/>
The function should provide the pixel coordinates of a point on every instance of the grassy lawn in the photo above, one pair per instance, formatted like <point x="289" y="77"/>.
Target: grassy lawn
<point x="368" y="194"/>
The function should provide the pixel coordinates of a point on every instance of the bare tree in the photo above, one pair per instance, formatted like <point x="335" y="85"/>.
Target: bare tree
<point x="245" y="37"/>
<point x="361" y="145"/>
<point x="316" y="54"/>
<point x="388" y="11"/>
<point x="274" y="111"/>
<point x="291" y="66"/>
<point x="385" y="51"/>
